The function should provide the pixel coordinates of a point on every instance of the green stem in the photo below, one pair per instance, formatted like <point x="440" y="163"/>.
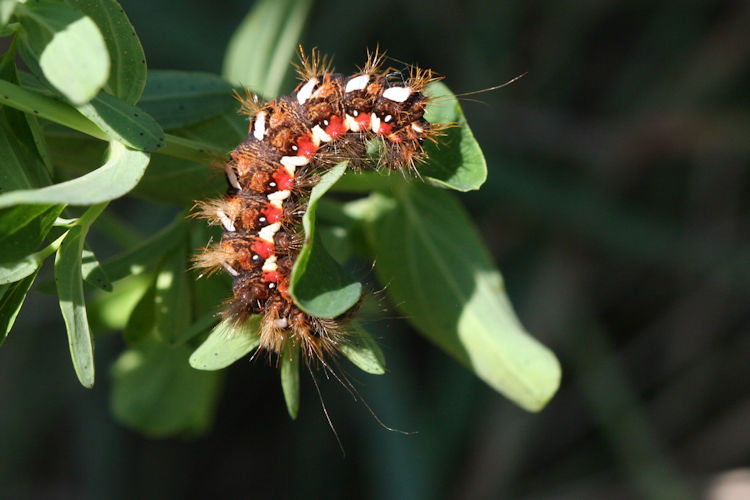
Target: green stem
<point x="90" y="215"/>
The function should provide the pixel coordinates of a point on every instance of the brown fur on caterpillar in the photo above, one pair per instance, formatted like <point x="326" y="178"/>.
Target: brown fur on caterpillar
<point x="292" y="140"/>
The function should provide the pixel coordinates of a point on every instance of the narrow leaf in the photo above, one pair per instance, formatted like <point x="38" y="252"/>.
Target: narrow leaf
<point x="362" y="350"/>
<point x="72" y="305"/>
<point x="23" y="228"/>
<point x="444" y="281"/>
<point x="68" y="46"/>
<point x="289" y="372"/>
<point x="20" y="269"/>
<point x="11" y="302"/>
<point x="226" y="343"/>
<point x="119" y="175"/>
<point x="318" y="285"/>
<point x="262" y="47"/>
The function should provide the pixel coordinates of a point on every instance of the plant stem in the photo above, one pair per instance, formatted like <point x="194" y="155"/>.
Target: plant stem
<point x="56" y="111"/>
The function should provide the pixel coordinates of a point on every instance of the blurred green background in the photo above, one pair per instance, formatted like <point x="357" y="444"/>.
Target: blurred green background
<point x="617" y="207"/>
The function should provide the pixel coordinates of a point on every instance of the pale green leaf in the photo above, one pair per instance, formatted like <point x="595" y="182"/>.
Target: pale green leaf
<point x="227" y="342"/>
<point x="72" y="305"/>
<point x="121" y="172"/>
<point x="261" y="49"/>
<point x="361" y="349"/>
<point x="127" y="74"/>
<point x="445" y="283"/>
<point x="68" y="46"/>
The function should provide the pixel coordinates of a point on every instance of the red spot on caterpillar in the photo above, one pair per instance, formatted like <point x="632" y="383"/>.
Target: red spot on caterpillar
<point x="284" y="181"/>
<point x="385" y="128"/>
<point x="363" y="120"/>
<point x="262" y="248"/>
<point x="305" y="146"/>
<point x="270" y="276"/>
<point x="336" y="126"/>
<point x="273" y="214"/>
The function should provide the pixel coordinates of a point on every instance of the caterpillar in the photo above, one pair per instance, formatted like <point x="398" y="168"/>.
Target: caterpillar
<point x="291" y="141"/>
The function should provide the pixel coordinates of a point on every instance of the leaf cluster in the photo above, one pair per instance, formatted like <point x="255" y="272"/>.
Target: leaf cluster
<point x="88" y="124"/>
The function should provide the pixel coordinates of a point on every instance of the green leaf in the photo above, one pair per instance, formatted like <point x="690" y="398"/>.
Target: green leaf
<point x="68" y="47"/>
<point x="289" y="373"/>
<point x="318" y="285"/>
<point x="155" y="391"/>
<point x="179" y="98"/>
<point x="456" y="161"/>
<point x="111" y="311"/>
<point x="21" y="167"/>
<point x="44" y="106"/>
<point x="23" y="228"/>
<point x="362" y="350"/>
<point x="25" y="126"/>
<point x="196" y="182"/>
<point x="119" y="175"/>
<point x="221" y="132"/>
<point x="142" y="321"/>
<point x="260" y="50"/>
<point x="137" y="259"/>
<point x="227" y="342"/>
<point x="72" y="305"/>
<point x="124" y="122"/>
<point x="173" y="307"/>
<point x="127" y="75"/>
<point x="6" y="10"/>
<point x="92" y="271"/>
<point x="20" y="269"/>
<point x="442" y="278"/>
<point x="11" y="302"/>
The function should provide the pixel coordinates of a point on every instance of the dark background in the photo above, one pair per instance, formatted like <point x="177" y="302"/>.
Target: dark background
<point x="617" y="207"/>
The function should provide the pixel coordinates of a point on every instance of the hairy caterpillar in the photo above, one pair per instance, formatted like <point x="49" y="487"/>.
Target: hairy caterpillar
<point x="291" y="142"/>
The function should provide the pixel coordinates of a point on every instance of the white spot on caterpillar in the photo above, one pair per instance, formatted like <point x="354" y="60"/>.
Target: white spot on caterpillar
<point x="355" y="112"/>
<point x="232" y="178"/>
<point x="416" y="128"/>
<point x="225" y="221"/>
<point x="375" y="123"/>
<point x="306" y="91"/>
<point x="294" y="148"/>
<point x="230" y="269"/>
<point x="388" y="118"/>
<point x="277" y="203"/>
<point x="270" y="264"/>
<point x="279" y="195"/>
<point x="357" y="83"/>
<point x="351" y="123"/>
<point x="292" y="162"/>
<point x="259" y="128"/>
<point x="320" y="135"/>
<point x="280" y="323"/>
<point x="266" y="233"/>
<point x="397" y="94"/>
